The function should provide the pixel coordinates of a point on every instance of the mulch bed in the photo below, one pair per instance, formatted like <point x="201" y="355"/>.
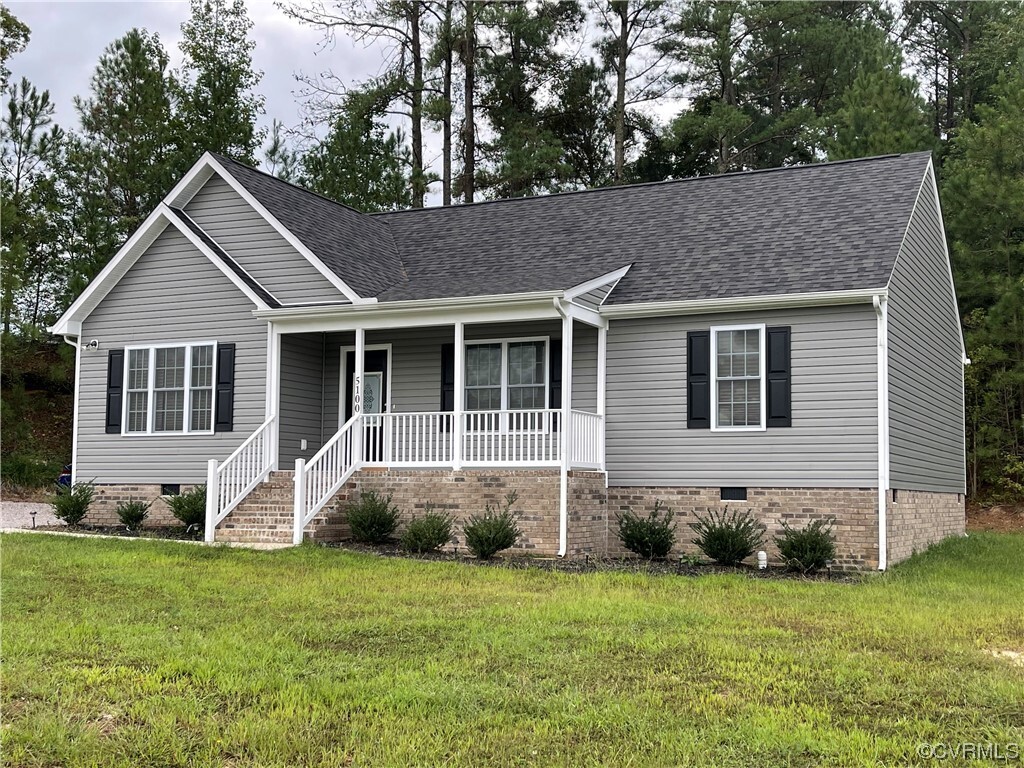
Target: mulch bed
<point x="588" y="564"/>
<point x="176" y="533"/>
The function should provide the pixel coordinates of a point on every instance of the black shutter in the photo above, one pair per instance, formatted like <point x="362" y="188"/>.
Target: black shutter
<point x="224" y="412"/>
<point x="555" y="363"/>
<point x="698" y="380"/>
<point x="115" y="390"/>
<point x="780" y="411"/>
<point x="447" y="377"/>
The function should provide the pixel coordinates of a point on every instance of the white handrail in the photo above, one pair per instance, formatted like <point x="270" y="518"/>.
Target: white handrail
<point x="408" y="438"/>
<point x="317" y="480"/>
<point x="230" y="481"/>
<point x="512" y="438"/>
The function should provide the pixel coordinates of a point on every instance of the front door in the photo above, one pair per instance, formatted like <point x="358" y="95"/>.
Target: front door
<point x="375" y="393"/>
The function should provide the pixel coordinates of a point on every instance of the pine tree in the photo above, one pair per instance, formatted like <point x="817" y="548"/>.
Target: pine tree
<point x="14" y="36"/>
<point x="217" y="108"/>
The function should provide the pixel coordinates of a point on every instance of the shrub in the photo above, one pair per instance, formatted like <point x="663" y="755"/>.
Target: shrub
<point x="190" y="507"/>
<point x="728" y="537"/>
<point x="494" y="531"/>
<point x="72" y="504"/>
<point x="373" y="519"/>
<point x="652" y="536"/>
<point x="28" y="471"/>
<point x="427" y="533"/>
<point x="809" y="548"/>
<point x="132" y="513"/>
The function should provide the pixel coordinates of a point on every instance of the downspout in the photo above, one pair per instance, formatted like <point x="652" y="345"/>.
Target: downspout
<point x="881" y="305"/>
<point x="563" y="472"/>
<point x="74" y="419"/>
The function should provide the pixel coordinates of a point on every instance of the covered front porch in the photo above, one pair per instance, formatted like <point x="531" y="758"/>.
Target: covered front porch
<point x="488" y="390"/>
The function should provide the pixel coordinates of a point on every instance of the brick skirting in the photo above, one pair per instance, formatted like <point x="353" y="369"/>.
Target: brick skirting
<point x="103" y="510"/>
<point x="917" y="519"/>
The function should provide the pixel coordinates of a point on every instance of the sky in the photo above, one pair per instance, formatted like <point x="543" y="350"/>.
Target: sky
<point x="68" y="38"/>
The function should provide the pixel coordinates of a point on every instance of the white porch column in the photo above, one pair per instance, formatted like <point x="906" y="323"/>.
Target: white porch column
<point x="602" y="371"/>
<point x="459" y="399"/>
<point x="358" y="376"/>
<point x="273" y="404"/>
<point x="566" y="418"/>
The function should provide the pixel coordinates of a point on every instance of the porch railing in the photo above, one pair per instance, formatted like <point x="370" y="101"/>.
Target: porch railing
<point x="586" y="440"/>
<point x="230" y="481"/>
<point x="511" y="438"/>
<point x="409" y="439"/>
<point x="317" y="480"/>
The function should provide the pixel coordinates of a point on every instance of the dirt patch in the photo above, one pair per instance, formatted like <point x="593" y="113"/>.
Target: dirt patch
<point x="1014" y="658"/>
<point x="589" y="564"/>
<point x="1003" y="518"/>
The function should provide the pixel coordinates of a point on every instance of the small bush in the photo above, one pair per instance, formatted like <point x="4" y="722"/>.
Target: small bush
<point x="728" y="537"/>
<point x="72" y="504"/>
<point x="28" y="471"/>
<point x="652" y="536"/>
<point x="373" y="519"/>
<point x="427" y="533"/>
<point x="190" y="507"/>
<point x="133" y="514"/>
<point x="807" y="549"/>
<point x="495" y="530"/>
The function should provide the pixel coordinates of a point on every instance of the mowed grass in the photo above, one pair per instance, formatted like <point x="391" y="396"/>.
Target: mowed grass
<point x="160" y="654"/>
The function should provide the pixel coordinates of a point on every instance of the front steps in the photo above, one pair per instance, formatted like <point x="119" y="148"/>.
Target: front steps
<point x="267" y="516"/>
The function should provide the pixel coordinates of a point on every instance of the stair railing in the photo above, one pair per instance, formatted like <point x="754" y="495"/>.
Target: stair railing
<point x="230" y="481"/>
<point x="317" y="480"/>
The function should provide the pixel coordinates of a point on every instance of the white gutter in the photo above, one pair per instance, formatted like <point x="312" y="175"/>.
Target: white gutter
<point x="881" y="305"/>
<point x="563" y="472"/>
<point x="739" y="304"/>
<point x="407" y="306"/>
<point x="74" y="419"/>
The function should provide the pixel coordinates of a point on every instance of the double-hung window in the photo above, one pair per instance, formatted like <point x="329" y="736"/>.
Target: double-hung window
<point x="738" y="377"/>
<point x="169" y="389"/>
<point x="507" y="375"/>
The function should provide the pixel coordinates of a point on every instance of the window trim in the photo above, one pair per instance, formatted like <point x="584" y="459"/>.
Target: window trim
<point x="504" y="371"/>
<point x="762" y="366"/>
<point x="151" y="390"/>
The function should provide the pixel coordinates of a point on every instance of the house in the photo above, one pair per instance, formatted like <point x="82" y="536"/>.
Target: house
<point x="785" y="341"/>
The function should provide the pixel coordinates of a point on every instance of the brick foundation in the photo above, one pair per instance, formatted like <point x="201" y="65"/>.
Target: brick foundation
<point x="466" y="493"/>
<point x="854" y="509"/>
<point x="103" y="510"/>
<point x="917" y="519"/>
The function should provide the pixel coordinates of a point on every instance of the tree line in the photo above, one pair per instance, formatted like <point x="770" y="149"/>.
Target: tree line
<point x="529" y="98"/>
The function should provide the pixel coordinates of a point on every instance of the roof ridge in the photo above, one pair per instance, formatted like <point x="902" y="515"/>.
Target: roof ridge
<point x="663" y="182"/>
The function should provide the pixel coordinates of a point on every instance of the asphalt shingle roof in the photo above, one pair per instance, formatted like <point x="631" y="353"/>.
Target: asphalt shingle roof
<point x="358" y="248"/>
<point x="826" y="227"/>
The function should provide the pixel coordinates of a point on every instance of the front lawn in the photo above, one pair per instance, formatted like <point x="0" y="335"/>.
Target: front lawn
<point x="129" y="653"/>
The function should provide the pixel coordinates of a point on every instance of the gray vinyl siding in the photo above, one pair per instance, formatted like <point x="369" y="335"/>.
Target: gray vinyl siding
<point x="257" y="246"/>
<point x="926" y="404"/>
<point x="302" y="377"/>
<point x="172" y="294"/>
<point x="833" y="440"/>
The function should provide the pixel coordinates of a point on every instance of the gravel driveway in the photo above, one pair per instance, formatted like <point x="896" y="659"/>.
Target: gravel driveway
<point x="18" y="514"/>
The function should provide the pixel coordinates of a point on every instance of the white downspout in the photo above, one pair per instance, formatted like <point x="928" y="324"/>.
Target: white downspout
<point x="74" y="419"/>
<point x="881" y="305"/>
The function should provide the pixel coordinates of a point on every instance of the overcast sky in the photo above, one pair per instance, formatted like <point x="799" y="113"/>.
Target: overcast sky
<point x="68" y="38"/>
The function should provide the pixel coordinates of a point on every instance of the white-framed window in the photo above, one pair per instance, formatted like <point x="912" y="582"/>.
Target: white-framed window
<point x="169" y="389"/>
<point x="507" y="374"/>
<point x="738" y="377"/>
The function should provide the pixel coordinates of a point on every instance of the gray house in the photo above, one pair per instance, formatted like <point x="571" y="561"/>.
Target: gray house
<point x="785" y="341"/>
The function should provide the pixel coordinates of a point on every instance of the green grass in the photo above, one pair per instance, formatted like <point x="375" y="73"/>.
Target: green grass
<point x="161" y="654"/>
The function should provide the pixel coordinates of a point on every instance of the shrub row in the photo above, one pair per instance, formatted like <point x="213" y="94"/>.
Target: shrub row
<point x="727" y="537"/>
<point x="374" y="520"/>
<point x="71" y="505"/>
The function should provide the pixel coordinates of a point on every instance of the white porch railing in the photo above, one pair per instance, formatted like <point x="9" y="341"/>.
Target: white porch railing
<point x="317" y="481"/>
<point x="586" y="439"/>
<point x="229" y="482"/>
<point x="512" y="438"/>
<point x="409" y="439"/>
